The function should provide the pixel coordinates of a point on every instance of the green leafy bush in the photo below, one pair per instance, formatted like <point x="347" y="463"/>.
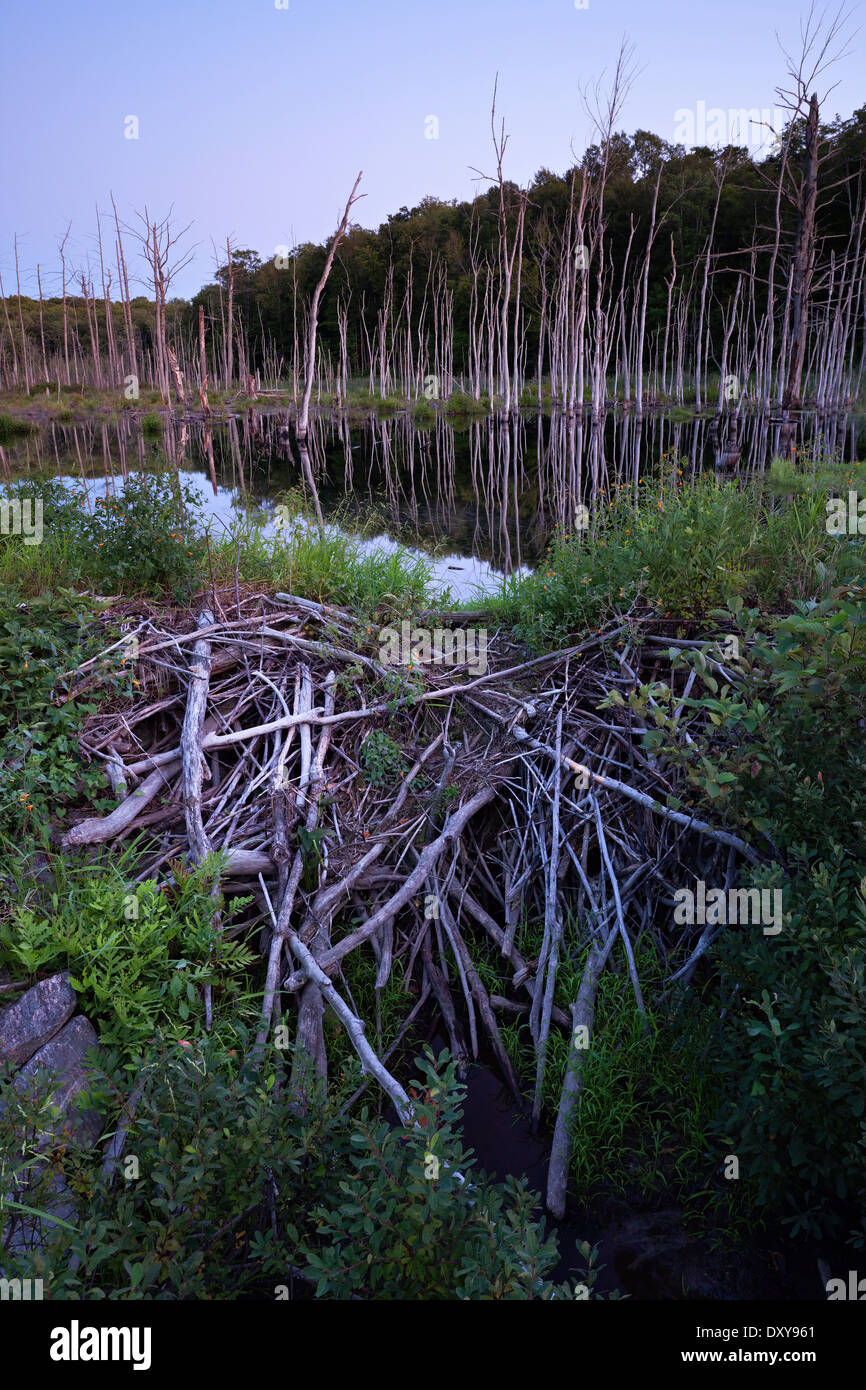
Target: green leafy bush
<point x="139" y="955"/>
<point x="225" y="1191"/>
<point x="681" y="546"/>
<point x="415" y="1221"/>
<point x="211" y="1145"/>
<point x="793" y="1048"/>
<point x="381" y="759"/>
<point x="782" y="758"/>
<point x="144" y="540"/>
<point x="40" y="639"/>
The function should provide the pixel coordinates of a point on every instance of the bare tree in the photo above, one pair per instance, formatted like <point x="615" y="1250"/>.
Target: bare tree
<point x="508" y="248"/>
<point x="303" y="413"/>
<point x="819" y="35"/>
<point x="159" y="248"/>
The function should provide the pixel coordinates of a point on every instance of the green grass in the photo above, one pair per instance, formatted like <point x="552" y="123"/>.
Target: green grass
<point x="334" y="567"/>
<point x="460" y="403"/>
<point x="643" y="1122"/>
<point x="151" y="540"/>
<point x="683" y="548"/>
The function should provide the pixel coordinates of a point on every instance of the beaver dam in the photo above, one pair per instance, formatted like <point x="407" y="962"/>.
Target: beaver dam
<point x="422" y="813"/>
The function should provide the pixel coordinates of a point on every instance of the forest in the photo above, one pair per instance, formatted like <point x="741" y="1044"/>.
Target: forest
<point x="645" y="274"/>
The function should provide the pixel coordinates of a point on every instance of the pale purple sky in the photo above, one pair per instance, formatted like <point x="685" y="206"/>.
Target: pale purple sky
<point x="253" y="121"/>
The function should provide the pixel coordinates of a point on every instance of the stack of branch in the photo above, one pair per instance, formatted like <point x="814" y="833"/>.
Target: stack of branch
<point x="523" y="810"/>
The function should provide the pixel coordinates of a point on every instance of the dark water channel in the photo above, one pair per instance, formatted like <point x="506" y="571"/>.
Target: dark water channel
<point x="647" y="1249"/>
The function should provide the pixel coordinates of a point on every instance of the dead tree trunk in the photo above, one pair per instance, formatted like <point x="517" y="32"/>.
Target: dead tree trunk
<point x="303" y="413"/>
<point x="804" y="262"/>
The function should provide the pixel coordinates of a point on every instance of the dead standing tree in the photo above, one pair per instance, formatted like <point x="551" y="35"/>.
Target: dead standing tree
<point x="509" y="250"/>
<point x="604" y="112"/>
<point x="818" y="35"/>
<point x="312" y="327"/>
<point x="803" y="193"/>
<point x="159" y="248"/>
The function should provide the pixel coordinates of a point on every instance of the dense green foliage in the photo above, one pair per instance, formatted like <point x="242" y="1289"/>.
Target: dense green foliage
<point x="140" y="954"/>
<point x="783" y="758"/>
<point x="648" y="1098"/>
<point x="42" y="640"/>
<point x="144" y="540"/>
<point x="226" y="1190"/>
<point x="681" y="545"/>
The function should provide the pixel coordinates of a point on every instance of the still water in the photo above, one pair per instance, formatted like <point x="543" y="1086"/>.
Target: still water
<point x="479" y="499"/>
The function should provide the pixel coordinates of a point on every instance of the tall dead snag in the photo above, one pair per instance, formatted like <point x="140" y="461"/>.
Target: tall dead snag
<point x="158" y="248"/>
<point x="9" y="330"/>
<point x="507" y="253"/>
<point x="176" y="373"/>
<point x="604" y="112"/>
<point x="303" y="413"/>
<point x="21" y="322"/>
<point x="42" y="325"/>
<point x="125" y="295"/>
<point x="228" y="341"/>
<point x="818" y="36"/>
<point x="65" y="309"/>
<point x="803" y="265"/>
<point x="202" y="390"/>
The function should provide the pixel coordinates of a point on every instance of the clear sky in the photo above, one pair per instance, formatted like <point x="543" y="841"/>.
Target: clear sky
<point x="253" y="121"/>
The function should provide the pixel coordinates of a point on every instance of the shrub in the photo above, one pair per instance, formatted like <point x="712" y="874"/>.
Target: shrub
<point x="139" y="955"/>
<point x="381" y="759"/>
<point x="40" y="639"/>
<point x="415" y="1223"/>
<point x="144" y="540"/>
<point x="782" y="755"/>
<point x="682" y="548"/>
<point x="225" y="1191"/>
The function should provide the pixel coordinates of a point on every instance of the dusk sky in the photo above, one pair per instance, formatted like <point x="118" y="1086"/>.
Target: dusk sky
<point x="254" y="121"/>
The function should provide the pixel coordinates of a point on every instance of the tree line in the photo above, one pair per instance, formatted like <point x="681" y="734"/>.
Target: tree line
<point x="644" y="273"/>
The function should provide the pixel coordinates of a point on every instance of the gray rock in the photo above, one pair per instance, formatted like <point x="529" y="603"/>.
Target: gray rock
<point x="64" y="1058"/>
<point x="29" y="1233"/>
<point x="35" y="1018"/>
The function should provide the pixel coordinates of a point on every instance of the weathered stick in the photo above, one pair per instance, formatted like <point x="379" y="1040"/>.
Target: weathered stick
<point x="190" y="743"/>
<point x="98" y="829"/>
<point x="413" y="882"/>
<point x="354" y="1026"/>
<point x="582" y="1014"/>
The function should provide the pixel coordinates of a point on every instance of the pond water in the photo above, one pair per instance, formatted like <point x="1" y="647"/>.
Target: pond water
<point x="479" y="498"/>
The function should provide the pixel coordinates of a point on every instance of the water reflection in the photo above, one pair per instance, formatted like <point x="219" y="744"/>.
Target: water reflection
<point x="480" y="497"/>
